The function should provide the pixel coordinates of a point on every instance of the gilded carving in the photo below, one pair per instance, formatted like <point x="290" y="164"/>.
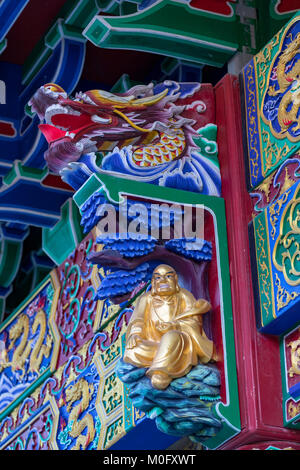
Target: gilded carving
<point x="290" y="98"/>
<point x="40" y="349"/>
<point x="272" y="103"/>
<point x="293" y="409"/>
<point x="265" y="187"/>
<point x="283" y="297"/>
<point x="114" y="432"/>
<point x="112" y="393"/>
<point x="82" y="391"/>
<point x="262" y="60"/>
<point x="288" y="182"/>
<point x="20" y="330"/>
<point x="274" y="211"/>
<point x="165" y="333"/>
<point x="295" y="357"/>
<point x="281" y="101"/>
<point x="263" y="269"/>
<point x="286" y="252"/>
<point x="273" y="153"/>
<point x="80" y="406"/>
<point x="253" y="136"/>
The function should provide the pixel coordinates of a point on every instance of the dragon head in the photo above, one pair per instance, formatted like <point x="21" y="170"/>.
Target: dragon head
<point x="97" y="120"/>
<point x="16" y="330"/>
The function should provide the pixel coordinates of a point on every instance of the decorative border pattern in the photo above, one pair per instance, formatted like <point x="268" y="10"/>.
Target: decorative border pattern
<point x="82" y="406"/>
<point x="265" y="149"/>
<point x="115" y="189"/>
<point x="29" y="345"/>
<point x="277" y="275"/>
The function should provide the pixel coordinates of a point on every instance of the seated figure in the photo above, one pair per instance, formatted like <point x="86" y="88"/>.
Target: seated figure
<point x="165" y="332"/>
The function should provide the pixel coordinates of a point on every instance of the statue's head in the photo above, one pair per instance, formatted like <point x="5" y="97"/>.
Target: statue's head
<point x="164" y="280"/>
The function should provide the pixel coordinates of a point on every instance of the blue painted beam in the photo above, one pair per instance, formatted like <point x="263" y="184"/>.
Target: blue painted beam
<point x="145" y="436"/>
<point x="26" y="200"/>
<point x="9" y="12"/>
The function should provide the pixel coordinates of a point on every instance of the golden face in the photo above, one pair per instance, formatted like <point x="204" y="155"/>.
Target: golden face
<point x="164" y="280"/>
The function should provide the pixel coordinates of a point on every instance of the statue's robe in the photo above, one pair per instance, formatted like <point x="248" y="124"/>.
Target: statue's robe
<point x="171" y="350"/>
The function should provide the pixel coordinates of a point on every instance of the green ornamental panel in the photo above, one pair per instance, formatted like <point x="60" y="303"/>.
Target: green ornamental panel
<point x="272" y="15"/>
<point x="173" y="29"/>
<point x="270" y="84"/>
<point x="275" y="242"/>
<point x="29" y="345"/>
<point x="58" y="353"/>
<point x="121" y="191"/>
<point x="59" y="241"/>
<point x="82" y="406"/>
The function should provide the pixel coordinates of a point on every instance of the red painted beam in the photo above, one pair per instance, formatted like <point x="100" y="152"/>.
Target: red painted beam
<point x="257" y="355"/>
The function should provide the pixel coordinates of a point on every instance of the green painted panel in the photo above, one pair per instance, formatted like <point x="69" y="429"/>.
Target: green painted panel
<point x="173" y="29"/>
<point x="272" y="16"/>
<point x="115" y="189"/>
<point x="270" y="87"/>
<point x="60" y="240"/>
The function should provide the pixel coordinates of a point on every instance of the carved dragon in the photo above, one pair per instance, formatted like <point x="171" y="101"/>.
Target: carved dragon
<point x="22" y="352"/>
<point x="25" y="349"/>
<point x="290" y="101"/>
<point x="287" y="74"/>
<point x="145" y="121"/>
<point x="40" y="350"/>
<point x="83" y="391"/>
<point x="285" y="78"/>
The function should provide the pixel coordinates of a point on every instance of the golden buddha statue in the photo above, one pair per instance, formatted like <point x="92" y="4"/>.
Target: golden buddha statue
<point x="165" y="332"/>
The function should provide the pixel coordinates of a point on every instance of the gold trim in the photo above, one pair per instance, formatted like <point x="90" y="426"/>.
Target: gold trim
<point x="295" y="357"/>
<point x="52" y="320"/>
<point x="273" y="150"/>
<point x="271" y="270"/>
<point x="262" y="267"/>
<point x="286" y="241"/>
<point x="282" y="31"/>
<point x="281" y="293"/>
<point x="256" y="109"/>
<point x="275" y="212"/>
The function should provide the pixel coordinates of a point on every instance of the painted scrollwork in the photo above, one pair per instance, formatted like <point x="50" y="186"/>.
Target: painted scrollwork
<point x="263" y="268"/>
<point x="286" y="253"/>
<point x="275" y="210"/>
<point x="253" y="135"/>
<point x="283" y="297"/>
<point x="273" y="152"/>
<point x="262" y="60"/>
